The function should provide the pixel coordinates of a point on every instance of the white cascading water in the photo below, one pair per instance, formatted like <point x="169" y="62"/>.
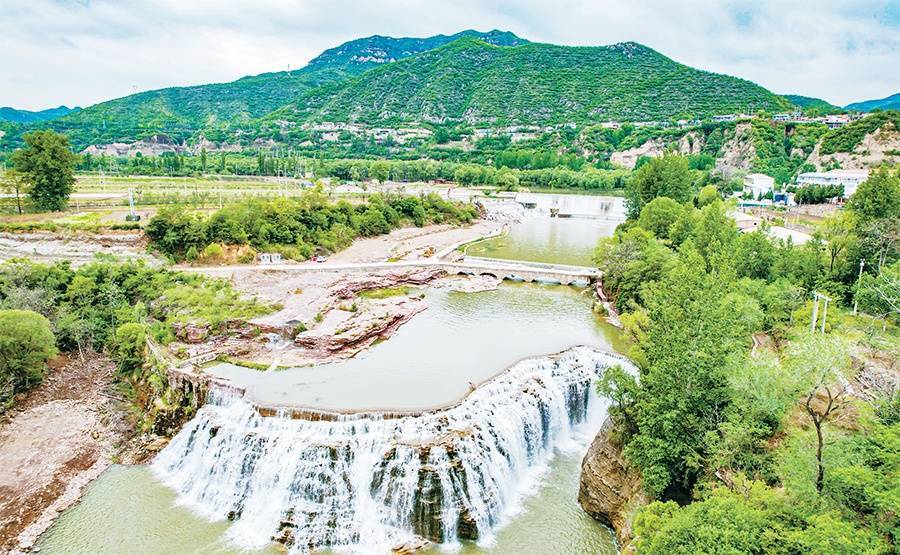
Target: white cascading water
<point x="363" y="483"/>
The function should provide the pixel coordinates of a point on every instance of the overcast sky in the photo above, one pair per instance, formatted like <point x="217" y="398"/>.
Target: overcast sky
<point x="79" y="52"/>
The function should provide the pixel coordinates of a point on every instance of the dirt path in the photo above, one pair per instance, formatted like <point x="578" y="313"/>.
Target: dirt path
<point x="412" y="243"/>
<point x="57" y="439"/>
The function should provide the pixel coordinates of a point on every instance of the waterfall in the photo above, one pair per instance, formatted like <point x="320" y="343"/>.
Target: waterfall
<point x="365" y="483"/>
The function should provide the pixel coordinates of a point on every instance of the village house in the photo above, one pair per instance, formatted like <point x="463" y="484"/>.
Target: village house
<point x="758" y="184"/>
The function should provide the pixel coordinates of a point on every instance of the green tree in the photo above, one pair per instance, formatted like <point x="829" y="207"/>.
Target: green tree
<point x="658" y="215"/>
<point x="707" y="195"/>
<point x="129" y="348"/>
<point x="684" y="385"/>
<point x="878" y="196"/>
<point x="13" y="182"/>
<point x="48" y="166"/>
<point x="507" y="180"/>
<point x="668" y="176"/>
<point x="26" y="343"/>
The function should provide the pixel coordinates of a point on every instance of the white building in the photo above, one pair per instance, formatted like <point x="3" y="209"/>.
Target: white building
<point x="840" y="120"/>
<point x="758" y="184"/>
<point x="850" y="179"/>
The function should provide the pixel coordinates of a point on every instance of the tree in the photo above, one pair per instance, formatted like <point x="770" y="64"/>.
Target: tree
<point x="684" y="389"/>
<point x="508" y="181"/>
<point x="48" y="167"/>
<point x="878" y="196"/>
<point x="15" y="183"/>
<point x="707" y="195"/>
<point x="658" y="215"/>
<point x="203" y="159"/>
<point x="130" y="345"/>
<point x="380" y="170"/>
<point x="821" y="360"/>
<point x="26" y="343"/>
<point x="668" y="176"/>
<point x="838" y="233"/>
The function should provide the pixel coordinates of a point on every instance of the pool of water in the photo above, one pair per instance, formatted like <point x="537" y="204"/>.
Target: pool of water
<point x="544" y="239"/>
<point x="127" y="510"/>
<point x="460" y="340"/>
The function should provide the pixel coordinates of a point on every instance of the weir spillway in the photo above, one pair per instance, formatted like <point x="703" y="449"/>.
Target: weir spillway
<point x="366" y="483"/>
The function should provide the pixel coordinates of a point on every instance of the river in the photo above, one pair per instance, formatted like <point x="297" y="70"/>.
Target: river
<point x="540" y="237"/>
<point x="462" y="338"/>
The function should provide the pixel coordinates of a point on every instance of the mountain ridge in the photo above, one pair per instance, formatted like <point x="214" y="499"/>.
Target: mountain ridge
<point x="891" y="102"/>
<point x="474" y="82"/>
<point x="15" y="115"/>
<point x="183" y="111"/>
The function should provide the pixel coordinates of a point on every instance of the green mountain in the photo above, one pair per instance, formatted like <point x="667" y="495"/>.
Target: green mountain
<point x="890" y="103"/>
<point x="181" y="112"/>
<point x="809" y="102"/>
<point x="472" y="81"/>
<point x="13" y="115"/>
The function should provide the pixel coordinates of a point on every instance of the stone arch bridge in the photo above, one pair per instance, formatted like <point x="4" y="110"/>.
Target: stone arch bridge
<point x="502" y="269"/>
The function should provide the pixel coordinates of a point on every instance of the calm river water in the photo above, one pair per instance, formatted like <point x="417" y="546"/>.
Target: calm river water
<point x="461" y="338"/>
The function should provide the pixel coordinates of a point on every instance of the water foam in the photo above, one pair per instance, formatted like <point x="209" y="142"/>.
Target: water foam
<point x="364" y="483"/>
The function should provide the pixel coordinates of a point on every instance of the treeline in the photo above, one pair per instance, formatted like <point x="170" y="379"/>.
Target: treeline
<point x="102" y="306"/>
<point x="470" y="174"/>
<point x="268" y="163"/>
<point x="817" y="194"/>
<point x="740" y="450"/>
<point x="297" y="227"/>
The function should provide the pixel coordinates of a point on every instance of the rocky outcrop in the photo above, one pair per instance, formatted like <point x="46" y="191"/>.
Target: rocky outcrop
<point x="610" y="489"/>
<point x="346" y="336"/>
<point x="416" y="276"/>
<point x="155" y="145"/>
<point x="689" y="143"/>
<point x="738" y="151"/>
<point x="879" y="147"/>
<point x="653" y="148"/>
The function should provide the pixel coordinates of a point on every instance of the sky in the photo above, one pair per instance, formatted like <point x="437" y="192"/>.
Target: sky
<point x="79" y="52"/>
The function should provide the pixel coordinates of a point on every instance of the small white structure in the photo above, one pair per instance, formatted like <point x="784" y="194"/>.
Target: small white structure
<point x="781" y="117"/>
<point x="840" y="120"/>
<point x="724" y="117"/>
<point x="758" y="184"/>
<point x="270" y="258"/>
<point x="850" y="179"/>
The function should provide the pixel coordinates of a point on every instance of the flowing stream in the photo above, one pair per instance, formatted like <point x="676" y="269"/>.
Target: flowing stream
<point x="494" y="471"/>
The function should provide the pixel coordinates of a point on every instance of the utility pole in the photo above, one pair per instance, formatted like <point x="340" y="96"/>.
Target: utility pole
<point x="862" y="264"/>
<point x="815" y="313"/>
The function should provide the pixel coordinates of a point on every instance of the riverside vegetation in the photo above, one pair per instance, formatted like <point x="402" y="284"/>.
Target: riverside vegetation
<point x="769" y="450"/>
<point x="296" y="227"/>
<point x="110" y="307"/>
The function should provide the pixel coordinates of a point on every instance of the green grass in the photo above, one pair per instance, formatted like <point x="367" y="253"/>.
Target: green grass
<point x="385" y="292"/>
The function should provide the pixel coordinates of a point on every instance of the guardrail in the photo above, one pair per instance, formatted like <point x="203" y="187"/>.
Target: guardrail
<point x="529" y="264"/>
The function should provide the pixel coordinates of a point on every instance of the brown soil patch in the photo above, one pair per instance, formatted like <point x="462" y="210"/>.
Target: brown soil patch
<point x="53" y="441"/>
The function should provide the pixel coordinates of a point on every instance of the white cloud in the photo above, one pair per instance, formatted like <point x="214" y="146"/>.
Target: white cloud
<point x="82" y="52"/>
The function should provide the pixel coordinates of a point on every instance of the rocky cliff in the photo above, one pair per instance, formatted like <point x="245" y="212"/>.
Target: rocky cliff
<point x="610" y="490"/>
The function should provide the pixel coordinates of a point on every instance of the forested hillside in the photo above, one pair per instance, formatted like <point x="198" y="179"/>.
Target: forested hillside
<point x="890" y="103"/>
<point x="537" y="84"/>
<point x="27" y="116"/>
<point x="807" y="103"/>
<point x="182" y="111"/>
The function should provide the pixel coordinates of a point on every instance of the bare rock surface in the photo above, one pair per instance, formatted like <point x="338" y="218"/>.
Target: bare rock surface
<point x="346" y="333"/>
<point x="610" y="490"/>
<point x="78" y="248"/>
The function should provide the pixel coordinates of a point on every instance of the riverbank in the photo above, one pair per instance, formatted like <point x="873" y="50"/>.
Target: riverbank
<point x="56" y="439"/>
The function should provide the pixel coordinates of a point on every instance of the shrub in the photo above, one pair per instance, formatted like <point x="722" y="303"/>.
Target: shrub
<point x="129" y="348"/>
<point x="26" y="343"/>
